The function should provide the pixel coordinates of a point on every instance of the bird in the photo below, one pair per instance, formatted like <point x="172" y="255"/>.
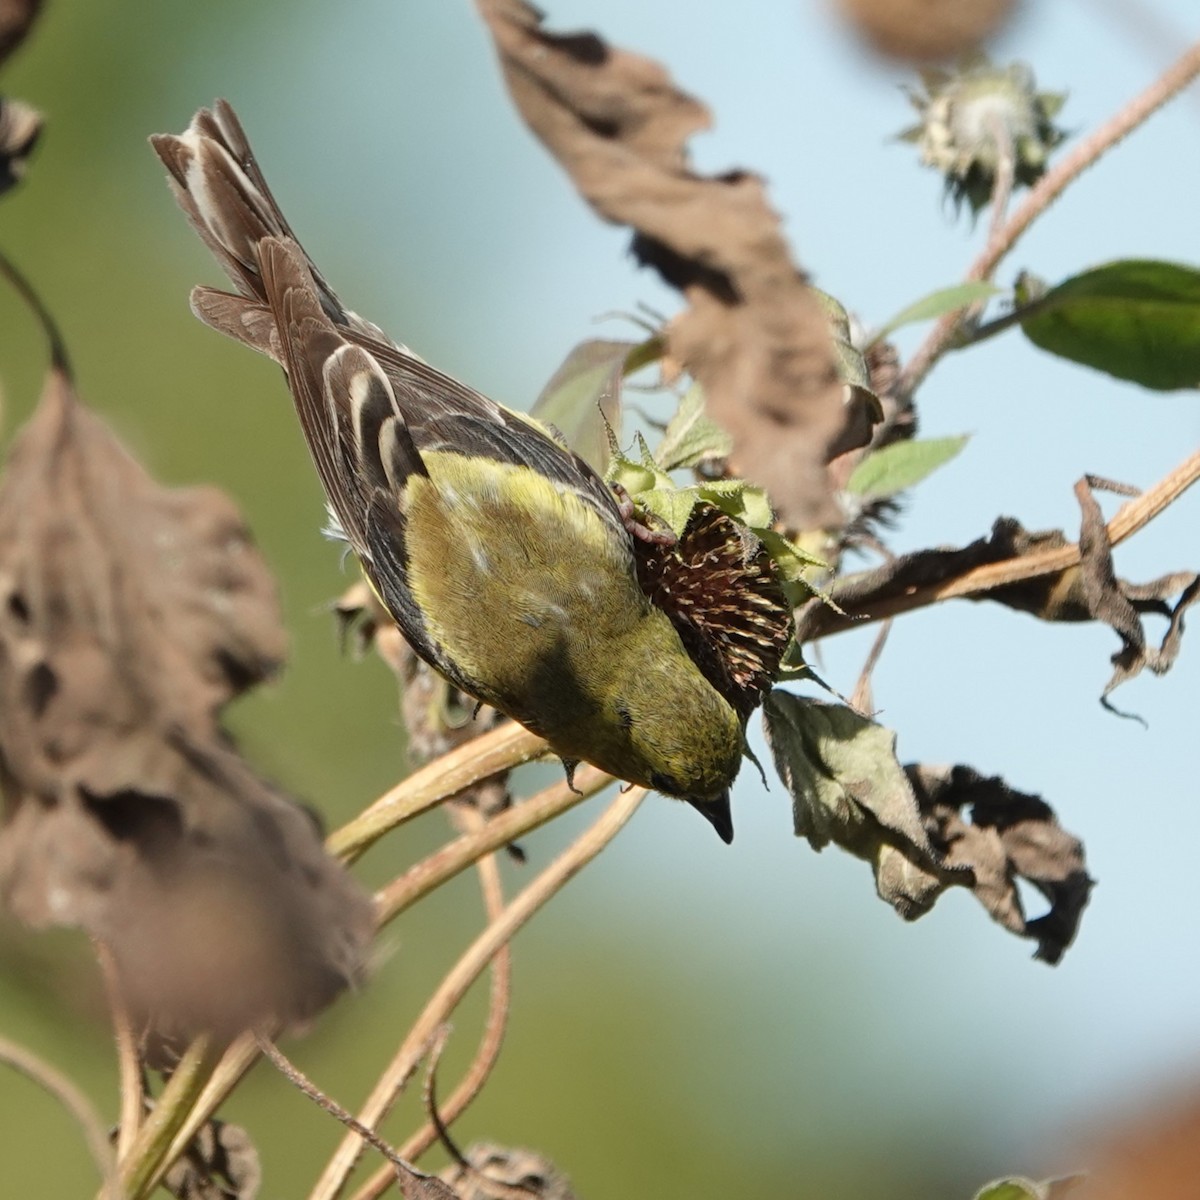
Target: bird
<point x="506" y="561"/>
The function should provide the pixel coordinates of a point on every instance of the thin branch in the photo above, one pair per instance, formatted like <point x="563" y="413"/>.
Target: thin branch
<point x="494" y="1028"/>
<point x="430" y="873"/>
<point x="1039" y="198"/>
<point x="298" y="1079"/>
<point x="54" y="1082"/>
<point x="129" y="1062"/>
<point x="501" y="749"/>
<point x="461" y="976"/>
<point x="862" y="699"/>
<point x="58" y="348"/>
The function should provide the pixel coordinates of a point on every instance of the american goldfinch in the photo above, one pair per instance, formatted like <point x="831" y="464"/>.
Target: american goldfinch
<point x="505" y="560"/>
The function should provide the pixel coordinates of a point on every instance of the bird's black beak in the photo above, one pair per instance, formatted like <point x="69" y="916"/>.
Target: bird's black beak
<point x="717" y="813"/>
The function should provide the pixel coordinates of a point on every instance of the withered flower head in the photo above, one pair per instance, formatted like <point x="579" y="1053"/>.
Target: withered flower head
<point x="719" y="589"/>
<point x="972" y="117"/>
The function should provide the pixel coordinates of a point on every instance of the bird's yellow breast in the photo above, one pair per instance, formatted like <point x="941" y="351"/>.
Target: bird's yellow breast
<point x="519" y="581"/>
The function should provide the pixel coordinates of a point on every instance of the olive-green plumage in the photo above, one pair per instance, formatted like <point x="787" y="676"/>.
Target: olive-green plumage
<point x="502" y="556"/>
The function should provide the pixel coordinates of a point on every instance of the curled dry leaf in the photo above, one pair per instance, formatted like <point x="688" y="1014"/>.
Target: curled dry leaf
<point x="1088" y="591"/>
<point x="847" y="787"/>
<point x="500" y="1173"/>
<point x="753" y="335"/>
<point x="1009" y="835"/>
<point x="220" y="1164"/>
<point x="1104" y="597"/>
<point x="129" y="614"/>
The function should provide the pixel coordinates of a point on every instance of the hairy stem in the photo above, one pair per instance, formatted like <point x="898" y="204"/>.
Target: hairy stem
<point x="150" y="1153"/>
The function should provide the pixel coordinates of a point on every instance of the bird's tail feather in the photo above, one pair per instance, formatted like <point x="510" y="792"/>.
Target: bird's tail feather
<point x="220" y="188"/>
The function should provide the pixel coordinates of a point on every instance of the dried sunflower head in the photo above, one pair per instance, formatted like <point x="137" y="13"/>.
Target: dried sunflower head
<point x="970" y="116"/>
<point x="718" y="586"/>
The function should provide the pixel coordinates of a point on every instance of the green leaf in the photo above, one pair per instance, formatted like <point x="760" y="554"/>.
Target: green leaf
<point x="691" y="436"/>
<point x="632" y="476"/>
<point x="1017" y="1188"/>
<point x="1010" y="1189"/>
<point x="848" y="788"/>
<point x="741" y="500"/>
<point x="793" y="567"/>
<point x="937" y="304"/>
<point x="851" y="365"/>
<point x="1136" y="319"/>
<point x="901" y="465"/>
<point x="674" y="505"/>
<point x="583" y="398"/>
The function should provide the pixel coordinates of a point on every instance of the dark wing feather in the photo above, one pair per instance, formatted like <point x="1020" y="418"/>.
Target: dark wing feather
<point x="368" y="407"/>
<point x="308" y="341"/>
<point x="443" y="414"/>
<point x="217" y="181"/>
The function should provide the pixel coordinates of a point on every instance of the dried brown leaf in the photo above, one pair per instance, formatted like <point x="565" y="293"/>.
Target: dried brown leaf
<point x="1009" y="835"/>
<point x="16" y="20"/>
<point x="1089" y="591"/>
<point x="129" y="614"/>
<point x="500" y="1173"/>
<point x="848" y="788"/>
<point x="921" y="30"/>
<point x="1119" y="605"/>
<point x="220" y="1164"/>
<point x="753" y="335"/>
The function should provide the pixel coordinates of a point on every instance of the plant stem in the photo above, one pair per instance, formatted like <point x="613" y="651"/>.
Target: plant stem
<point x="501" y="749"/>
<point x="497" y="1017"/>
<point x="976" y="583"/>
<point x="53" y="1081"/>
<point x="505" y="827"/>
<point x="461" y="976"/>
<point x="150" y="1153"/>
<point x="129" y="1064"/>
<point x="419" y="881"/>
<point x="1047" y="189"/>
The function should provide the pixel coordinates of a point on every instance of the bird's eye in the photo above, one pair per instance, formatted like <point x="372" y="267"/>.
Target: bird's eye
<point x="662" y="782"/>
<point x="624" y="716"/>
